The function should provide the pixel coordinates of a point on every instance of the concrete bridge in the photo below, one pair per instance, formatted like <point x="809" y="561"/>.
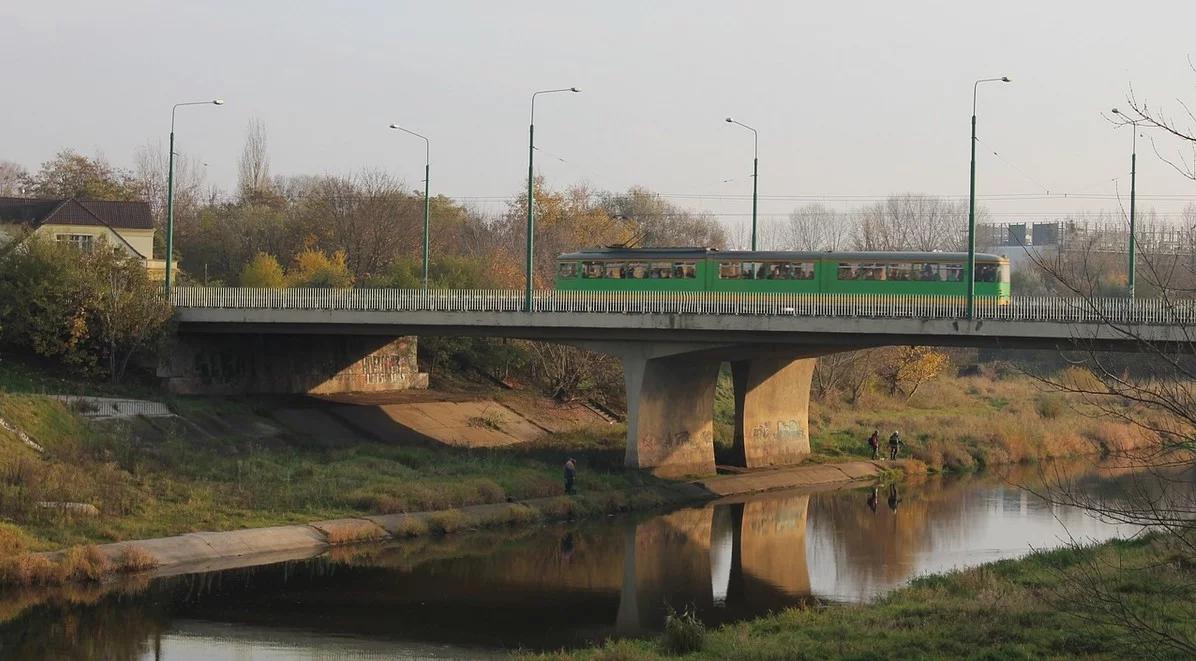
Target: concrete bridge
<point x="671" y="346"/>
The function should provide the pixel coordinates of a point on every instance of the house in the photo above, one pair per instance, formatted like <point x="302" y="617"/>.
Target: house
<point x="127" y="226"/>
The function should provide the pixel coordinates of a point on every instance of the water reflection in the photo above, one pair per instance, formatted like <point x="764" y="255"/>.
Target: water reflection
<point x="560" y="585"/>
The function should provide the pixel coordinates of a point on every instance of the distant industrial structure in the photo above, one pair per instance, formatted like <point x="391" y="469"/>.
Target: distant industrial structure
<point x="1018" y="240"/>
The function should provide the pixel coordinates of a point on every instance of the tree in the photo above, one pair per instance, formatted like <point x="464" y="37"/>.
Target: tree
<point x="905" y="369"/>
<point x="70" y="174"/>
<point x="565" y="221"/>
<point x="263" y="271"/>
<point x="815" y="227"/>
<point x="12" y="178"/>
<point x="447" y="272"/>
<point x="660" y="224"/>
<point x="848" y="372"/>
<point x="131" y="309"/>
<point x="151" y="171"/>
<point x="92" y="311"/>
<point x="314" y="268"/>
<point x="913" y="221"/>
<point x="253" y="173"/>
<point x="44" y="302"/>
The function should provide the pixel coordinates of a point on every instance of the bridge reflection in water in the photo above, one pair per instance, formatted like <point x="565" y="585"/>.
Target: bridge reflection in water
<point x="560" y="584"/>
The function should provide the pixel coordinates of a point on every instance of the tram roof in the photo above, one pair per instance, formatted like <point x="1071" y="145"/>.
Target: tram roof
<point x="764" y="255"/>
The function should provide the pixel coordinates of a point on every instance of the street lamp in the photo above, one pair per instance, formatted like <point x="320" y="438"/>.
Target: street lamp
<point x="170" y="190"/>
<point x="1133" y="177"/>
<point x="427" y="204"/>
<point x="531" y="193"/>
<point x="971" y="267"/>
<point x="755" y="172"/>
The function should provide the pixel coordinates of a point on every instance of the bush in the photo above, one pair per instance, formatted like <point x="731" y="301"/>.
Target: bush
<point x="263" y="271"/>
<point x="1049" y="405"/>
<point x="684" y="633"/>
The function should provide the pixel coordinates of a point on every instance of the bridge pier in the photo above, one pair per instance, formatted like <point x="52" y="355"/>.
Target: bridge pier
<point x="772" y="410"/>
<point x="670" y="412"/>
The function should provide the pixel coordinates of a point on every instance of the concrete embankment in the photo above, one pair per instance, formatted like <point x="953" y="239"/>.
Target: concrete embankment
<point x="212" y="551"/>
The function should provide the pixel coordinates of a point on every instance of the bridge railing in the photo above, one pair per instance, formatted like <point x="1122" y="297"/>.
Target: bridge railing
<point x="1018" y="308"/>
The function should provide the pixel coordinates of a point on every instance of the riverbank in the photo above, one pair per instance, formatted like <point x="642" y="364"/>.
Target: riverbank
<point x="221" y="465"/>
<point x="208" y="551"/>
<point x="1040" y="606"/>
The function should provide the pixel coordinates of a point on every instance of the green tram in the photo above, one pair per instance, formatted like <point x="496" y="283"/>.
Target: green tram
<point x="685" y="270"/>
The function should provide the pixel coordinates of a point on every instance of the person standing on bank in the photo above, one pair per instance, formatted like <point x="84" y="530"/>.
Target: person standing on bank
<point x="570" y="474"/>
<point x="894" y="445"/>
<point x="874" y="443"/>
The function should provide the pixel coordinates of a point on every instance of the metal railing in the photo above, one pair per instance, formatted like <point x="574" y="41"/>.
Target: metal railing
<point x="1152" y="311"/>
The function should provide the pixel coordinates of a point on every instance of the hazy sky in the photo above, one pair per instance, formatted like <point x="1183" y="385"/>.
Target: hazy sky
<point x="853" y="100"/>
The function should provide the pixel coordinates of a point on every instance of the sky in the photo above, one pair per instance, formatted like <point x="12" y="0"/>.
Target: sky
<point x="853" y="101"/>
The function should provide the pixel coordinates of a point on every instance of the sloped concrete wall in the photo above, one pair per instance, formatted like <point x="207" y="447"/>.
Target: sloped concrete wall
<point x="225" y="364"/>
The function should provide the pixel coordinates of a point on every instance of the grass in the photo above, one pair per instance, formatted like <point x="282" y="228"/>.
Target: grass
<point x="956" y="423"/>
<point x="152" y="478"/>
<point x="1035" y="607"/>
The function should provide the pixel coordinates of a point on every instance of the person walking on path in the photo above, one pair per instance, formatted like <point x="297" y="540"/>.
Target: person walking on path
<point x="894" y="445"/>
<point x="570" y="474"/>
<point x="874" y="443"/>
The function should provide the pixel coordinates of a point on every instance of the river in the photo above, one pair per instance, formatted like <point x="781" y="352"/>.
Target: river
<point x="477" y="595"/>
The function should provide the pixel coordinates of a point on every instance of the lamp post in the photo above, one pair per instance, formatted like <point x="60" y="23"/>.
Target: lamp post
<point x="1133" y="182"/>
<point x="531" y="195"/>
<point x="427" y="203"/>
<point x="971" y="266"/>
<point x="170" y="191"/>
<point x="755" y="172"/>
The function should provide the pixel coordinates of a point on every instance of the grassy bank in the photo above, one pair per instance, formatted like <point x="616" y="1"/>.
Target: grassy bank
<point x="1036" y="607"/>
<point x="956" y="423"/>
<point x="151" y="478"/>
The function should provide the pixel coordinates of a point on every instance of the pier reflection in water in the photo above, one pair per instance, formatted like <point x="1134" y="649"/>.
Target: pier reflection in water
<point x="558" y="585"/>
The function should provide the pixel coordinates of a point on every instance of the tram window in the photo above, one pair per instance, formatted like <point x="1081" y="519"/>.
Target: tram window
<point x="684" y="270"/>
<point x="952" y="272"/>
<point x="635" y="271"/>
<point x="774" y="271"/>
<point x="801" y="271"/>
<point x="660" y="270"/>
<point x="728" y="270"/>
<point x="927" y="272"/>
<point x="747" y="270"/>
<point x="900" y="272"/>
<point x="592" y="269"/>
<point x="848" y="271"/>
<point x="871" y="272"/>
<point x="614" y="270"/>
<point x="567" y="270"/>
<point x="986" y="273"/>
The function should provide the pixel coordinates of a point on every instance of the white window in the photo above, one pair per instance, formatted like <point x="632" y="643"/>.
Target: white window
<point x="84" y="242"/>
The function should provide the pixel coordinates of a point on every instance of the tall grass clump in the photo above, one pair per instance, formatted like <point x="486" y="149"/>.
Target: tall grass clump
<point x="683" y="633"/>
<point x="133" y="558"/>
<point x="447" y="521"/>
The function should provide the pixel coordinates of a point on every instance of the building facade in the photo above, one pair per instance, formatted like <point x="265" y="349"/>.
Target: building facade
<point x="84" y="224"/>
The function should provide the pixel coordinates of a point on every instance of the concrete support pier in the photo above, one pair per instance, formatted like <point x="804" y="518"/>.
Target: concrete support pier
<point x="670" y="412"/>
<point x="772" y="410"/>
